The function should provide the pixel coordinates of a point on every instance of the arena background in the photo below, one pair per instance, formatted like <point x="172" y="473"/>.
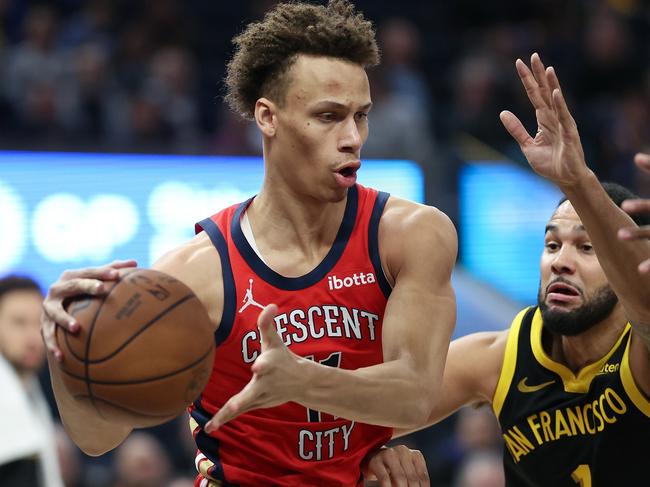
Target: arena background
<point x="114" y="139"/>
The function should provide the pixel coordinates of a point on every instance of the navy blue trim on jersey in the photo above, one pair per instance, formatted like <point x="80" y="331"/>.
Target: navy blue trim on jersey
<point x="315" y="275"/>
<point x="373" y="242"/>
<point x="229" y="292"/>
<point x="208" y="445"/>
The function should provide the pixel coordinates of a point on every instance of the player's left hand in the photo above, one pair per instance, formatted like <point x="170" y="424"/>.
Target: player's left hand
<point x="276" y="378"/>
<point x="556" y="151"/>
<point x="636" y="207"/>
<point x="396" y="466"/>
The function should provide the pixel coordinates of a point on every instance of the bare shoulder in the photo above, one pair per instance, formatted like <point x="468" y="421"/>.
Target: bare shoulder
<point x="404" y="215"/>
<point x="481" y="373"/>
<point x="197" y="264"/>
<point x="409" y="230"/>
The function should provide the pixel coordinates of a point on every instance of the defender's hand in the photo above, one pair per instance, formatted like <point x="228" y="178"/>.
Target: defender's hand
<point x="276" y="378"/>
<point x="637" y="207"/>
<point x="556" y="151"/>
<point x="397" y="466"/>
<point x="74" y="283"/>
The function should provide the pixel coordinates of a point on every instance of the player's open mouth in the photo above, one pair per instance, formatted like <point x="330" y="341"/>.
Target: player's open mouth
<point x="347" y="175"/>
<point x="560" y="292"/>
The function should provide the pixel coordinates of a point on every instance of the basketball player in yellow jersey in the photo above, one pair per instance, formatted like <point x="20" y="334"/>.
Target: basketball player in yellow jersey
<point x="570" y="381"/>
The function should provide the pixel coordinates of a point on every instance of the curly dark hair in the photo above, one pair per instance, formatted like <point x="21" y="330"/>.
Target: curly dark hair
<point x="266" y="50"/>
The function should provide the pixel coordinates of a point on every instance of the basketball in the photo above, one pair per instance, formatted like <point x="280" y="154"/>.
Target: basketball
<point x="144" y="350"/>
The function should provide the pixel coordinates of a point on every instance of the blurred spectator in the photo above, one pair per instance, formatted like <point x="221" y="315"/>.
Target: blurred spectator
<point x="69" y="458"/>
<point x="35" y="71"/>
<point x="400" y="43"/>
<point x="608" y="65"/>
<point x="4" y="8"/>
<point x="235" y="135"/>
<point x="181" y="482"/>
<point x="476" y="431"/>
<point x="27" y="450"/>
<point x="132" y="54"/>
<point x="89" y="92"/>
<point x="171" y="87"/>
<point x="144" y="76"/>
<point x="93" y="24"/>
<point x="141" y="461"/>
<point x="476" y="98"/>
<point x="398" y="126"/>
<point x="483" y="469"/>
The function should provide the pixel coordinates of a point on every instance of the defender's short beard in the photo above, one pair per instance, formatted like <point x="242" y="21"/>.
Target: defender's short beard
<point x="579" y="320"/>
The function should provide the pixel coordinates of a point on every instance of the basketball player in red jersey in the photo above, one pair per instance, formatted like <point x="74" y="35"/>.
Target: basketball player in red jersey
<point x="363" y="307"/>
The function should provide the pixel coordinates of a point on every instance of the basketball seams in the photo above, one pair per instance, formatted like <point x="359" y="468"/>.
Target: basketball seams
<point x="122" y="408"/>
<point x="70" y="349"/>
<point x="148" y="379"/>
<point x="150" y="323"/>
<point x="88" y="340"/>
<point x="115" y="339"/>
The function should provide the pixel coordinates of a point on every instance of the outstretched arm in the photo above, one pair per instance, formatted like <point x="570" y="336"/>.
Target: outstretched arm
<point x="471" y="375"/>
<point x="637" y="207"/>
<point x="556" y="154"/>
<point x="420" y="248"/>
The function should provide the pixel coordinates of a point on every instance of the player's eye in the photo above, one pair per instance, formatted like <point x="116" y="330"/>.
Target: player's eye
<point x="587" y="248"/>
<point x="361" y="116"/>
<point x="552" y="246"/>
<point x="327" y="117"/>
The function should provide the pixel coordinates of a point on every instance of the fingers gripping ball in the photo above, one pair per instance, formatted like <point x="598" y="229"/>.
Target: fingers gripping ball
<point x="144" y="350"/>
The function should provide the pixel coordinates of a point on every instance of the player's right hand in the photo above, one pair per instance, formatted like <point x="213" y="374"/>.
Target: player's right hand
<point x="74" y="283"/>
<point x="397" y="466"/>
<point x="637" y="207"/>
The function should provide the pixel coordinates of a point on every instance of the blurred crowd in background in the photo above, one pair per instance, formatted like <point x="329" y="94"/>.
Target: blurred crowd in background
<point x="464" y="451"/>
<point x="145" y="76"/>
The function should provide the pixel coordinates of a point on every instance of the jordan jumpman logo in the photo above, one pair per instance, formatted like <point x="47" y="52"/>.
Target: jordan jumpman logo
<point x="248" y="298"/>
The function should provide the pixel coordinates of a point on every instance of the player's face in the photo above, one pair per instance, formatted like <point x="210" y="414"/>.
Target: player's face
<point x="322" y="126"/>
<point x="574" y="292"/>
<point x="20" y="337"/>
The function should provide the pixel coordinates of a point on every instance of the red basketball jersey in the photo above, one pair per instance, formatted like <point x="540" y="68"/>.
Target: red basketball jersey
<point x="332" y="315"/>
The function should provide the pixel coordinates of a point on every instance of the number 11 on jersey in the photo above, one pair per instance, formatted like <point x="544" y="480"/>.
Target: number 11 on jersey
<point x="334" y="360"/>
<point x="316" y="444"/>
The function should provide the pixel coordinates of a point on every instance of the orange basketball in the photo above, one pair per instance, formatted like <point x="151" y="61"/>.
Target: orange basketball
<point x="144" y="350"/>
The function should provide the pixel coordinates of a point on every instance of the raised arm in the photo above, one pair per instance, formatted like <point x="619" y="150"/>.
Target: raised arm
<point x="418" y="247"/>
<point x="556" y="154"/>
<point x="638" y="207"/>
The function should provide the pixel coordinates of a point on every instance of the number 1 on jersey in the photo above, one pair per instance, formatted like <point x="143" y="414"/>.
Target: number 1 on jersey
<point x="334" y="360"/>
<point x="582" y="475"/>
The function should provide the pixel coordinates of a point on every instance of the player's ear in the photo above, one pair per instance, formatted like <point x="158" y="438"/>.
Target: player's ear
<point x="265" y="116"/>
